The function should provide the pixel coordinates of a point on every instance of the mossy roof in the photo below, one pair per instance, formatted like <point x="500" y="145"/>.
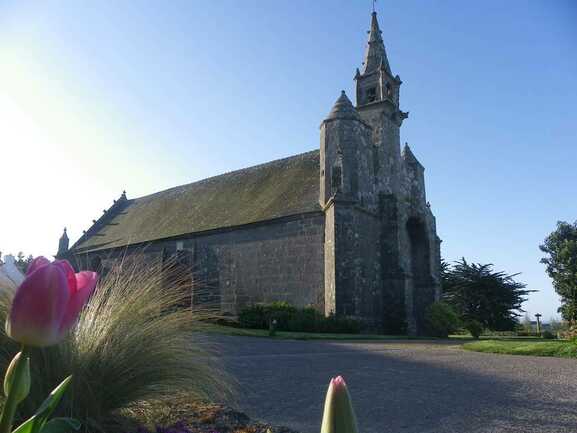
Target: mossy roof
<point x="280" y="188"/>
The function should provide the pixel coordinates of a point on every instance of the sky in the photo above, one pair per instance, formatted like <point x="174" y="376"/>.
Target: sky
<point x="101" y="97"/>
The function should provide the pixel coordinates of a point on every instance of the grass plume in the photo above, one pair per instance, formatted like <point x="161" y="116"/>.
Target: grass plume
<point x="133" y="349"/>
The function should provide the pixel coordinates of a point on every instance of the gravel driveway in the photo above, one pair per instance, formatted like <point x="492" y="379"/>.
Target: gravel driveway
<point x="405" y="387"/>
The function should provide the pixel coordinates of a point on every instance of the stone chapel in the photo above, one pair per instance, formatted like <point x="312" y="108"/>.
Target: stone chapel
<point x="345" y="228"/>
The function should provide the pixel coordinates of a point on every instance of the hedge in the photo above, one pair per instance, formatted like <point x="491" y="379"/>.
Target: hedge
<point x="290" y="318"/>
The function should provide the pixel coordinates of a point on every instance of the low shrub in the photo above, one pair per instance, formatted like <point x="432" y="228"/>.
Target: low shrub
<point x="491" y="333"/>
<point x="526" y="334"/>
<point x="570" y="333"/>
<point x="290" y="318"/>
<point x="441" y="320"/>
<point x="338" y="325"/>
<point x="548" y="335"/>
<point x="474" y="327"/>
<point x="259" y="316"/>
<point x="303" y="320"/>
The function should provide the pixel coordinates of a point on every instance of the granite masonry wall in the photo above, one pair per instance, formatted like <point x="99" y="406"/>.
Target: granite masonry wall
<point x="358" y="264"/>
<point x="279" y="260"/>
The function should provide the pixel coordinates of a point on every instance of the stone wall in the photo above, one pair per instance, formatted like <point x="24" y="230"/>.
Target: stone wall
<point x="353" y="278"/>
<point x="357" y="262"/>
<point x="280" y="260"/>
<point x="385" y="139"/>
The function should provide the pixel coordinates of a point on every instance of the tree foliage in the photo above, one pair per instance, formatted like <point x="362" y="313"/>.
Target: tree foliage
<point x="23" y="262"/>
<point x="526" y="324"/>
<point x="20" y="261"/>
<point x="480" y="294"/>
<point x="561" y="246"/>
<point x="441" y="319"/>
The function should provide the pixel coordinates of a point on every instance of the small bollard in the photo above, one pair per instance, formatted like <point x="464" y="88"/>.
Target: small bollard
<point x="538" y="316"/>
<point x="272" y="328"/>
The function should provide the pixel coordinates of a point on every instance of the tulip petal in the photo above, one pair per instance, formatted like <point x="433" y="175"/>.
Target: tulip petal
<point x="38" y="307"/>
<point x="85" y="283"/>
<point x="37" y="263"/>
<point x="339" y="383"/>
<point x="69" y="272"/>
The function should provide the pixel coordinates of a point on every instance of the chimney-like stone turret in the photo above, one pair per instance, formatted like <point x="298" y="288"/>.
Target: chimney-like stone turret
<point x="343" y="134"/>
<point x="63" y="244"/>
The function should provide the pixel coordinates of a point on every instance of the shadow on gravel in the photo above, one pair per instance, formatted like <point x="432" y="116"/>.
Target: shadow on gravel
<point x="398" y="387"/>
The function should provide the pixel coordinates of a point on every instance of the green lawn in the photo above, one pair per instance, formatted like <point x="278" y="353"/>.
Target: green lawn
<point x="468" y="337"/>
<point x="226" y="330"/>
<point x="533" y="347"/>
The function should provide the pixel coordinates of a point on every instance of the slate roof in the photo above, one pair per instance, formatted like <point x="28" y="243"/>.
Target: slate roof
<point x="284" y="187"/>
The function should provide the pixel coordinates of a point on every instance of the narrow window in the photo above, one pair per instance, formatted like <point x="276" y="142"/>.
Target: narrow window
<point x="371" y="94"/>
<point x="389" y="90"/>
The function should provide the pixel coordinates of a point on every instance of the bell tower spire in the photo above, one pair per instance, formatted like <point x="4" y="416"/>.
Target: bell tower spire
<point x="375" y="54"/>
<point x="378" y="106"/>
<point x="375" y="81"/>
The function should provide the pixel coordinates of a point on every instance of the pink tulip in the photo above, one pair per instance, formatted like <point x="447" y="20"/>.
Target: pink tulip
<point x="48" y="302"/>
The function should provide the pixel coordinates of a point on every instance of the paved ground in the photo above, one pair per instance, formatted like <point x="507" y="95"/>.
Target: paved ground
<point x="410" y="387"/>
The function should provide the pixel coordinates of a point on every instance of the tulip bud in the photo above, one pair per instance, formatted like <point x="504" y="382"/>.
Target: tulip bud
<point x="20" y="375"/>
<point x="339" y="415"/>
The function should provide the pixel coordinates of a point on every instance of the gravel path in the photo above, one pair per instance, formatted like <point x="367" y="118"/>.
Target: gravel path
<point x="405" y="387"/>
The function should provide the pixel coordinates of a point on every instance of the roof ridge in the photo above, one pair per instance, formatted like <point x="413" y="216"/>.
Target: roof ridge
<point x="228" y="173"/>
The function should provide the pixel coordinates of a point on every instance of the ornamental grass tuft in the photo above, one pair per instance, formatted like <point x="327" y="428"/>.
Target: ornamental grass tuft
<point x="134" y="348"/>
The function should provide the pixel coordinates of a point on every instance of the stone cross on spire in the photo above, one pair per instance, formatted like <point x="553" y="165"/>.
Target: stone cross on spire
<point x="375" y="54"/>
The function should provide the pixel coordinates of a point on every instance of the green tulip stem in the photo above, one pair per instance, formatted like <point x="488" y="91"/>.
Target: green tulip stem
<point x="11" y="403"/>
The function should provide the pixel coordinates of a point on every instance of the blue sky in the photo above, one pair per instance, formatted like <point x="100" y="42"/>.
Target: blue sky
<point x="97" y="97"/>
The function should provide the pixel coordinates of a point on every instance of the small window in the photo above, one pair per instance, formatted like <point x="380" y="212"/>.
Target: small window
<point x="389" y="90"/>
<point x="179" y="245"/>
<point x="371" y="94"/>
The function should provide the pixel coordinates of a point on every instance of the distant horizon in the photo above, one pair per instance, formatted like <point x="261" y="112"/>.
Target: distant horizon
<point x="146" y="97"/>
